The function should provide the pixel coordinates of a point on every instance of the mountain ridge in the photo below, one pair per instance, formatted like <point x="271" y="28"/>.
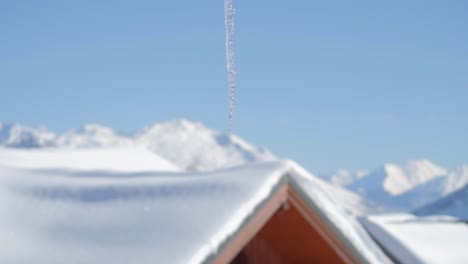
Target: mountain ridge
<point x="454" y="204"/>
<point x="188" y="145"/>
<point x="406" y="186"/>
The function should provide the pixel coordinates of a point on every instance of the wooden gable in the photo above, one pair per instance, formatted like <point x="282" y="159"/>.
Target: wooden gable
<point x="287" y="230"/>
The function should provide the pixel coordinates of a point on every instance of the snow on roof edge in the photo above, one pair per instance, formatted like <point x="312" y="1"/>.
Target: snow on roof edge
<point x="286" y="174"/>
<point x="392" y="247"/>
<point x="208" y="252"/>
<point x="354" y="236"/>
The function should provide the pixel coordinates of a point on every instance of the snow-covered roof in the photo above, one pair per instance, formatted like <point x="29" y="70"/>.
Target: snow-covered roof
<point x="115" y="159"/>
<point x="86" y="216"/>
<point x="411" y="239"/>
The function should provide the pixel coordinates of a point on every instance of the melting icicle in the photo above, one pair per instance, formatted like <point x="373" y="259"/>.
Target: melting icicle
<point x="229" y="12"/>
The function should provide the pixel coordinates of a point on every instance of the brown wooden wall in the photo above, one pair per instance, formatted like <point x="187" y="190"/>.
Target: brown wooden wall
<point x="287" y="238"/>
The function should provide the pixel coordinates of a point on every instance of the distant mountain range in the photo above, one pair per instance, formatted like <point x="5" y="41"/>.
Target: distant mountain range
<point x="455" y="204"/>
<point x="191" y="146"/>
<point x="188" y="145"/>
<point x="406" y="186"/>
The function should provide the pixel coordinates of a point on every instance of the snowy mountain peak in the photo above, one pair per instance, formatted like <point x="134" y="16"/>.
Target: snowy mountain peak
<point x="179" y="125"/>
<point x="399" y="179"/>
<point x="250" y="153"/>
<point x="94" y="129"/>
<point x="92" y="135"/>
<point x="424" y="170"/>
<point x="434" y="189"/>
<point x="343" y="177"/>
<point x="404" y="186"/>
<point x="192" y="146"/>
<point x="14" y="135"/>
<point x="392" y="180"/>
<point x="188" y="145"/>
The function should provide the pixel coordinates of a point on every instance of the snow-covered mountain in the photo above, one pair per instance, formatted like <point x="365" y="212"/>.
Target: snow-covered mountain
<point x="391" y="184"/>
<point x="434" y="189"/>
<point x="92" y="135"/>
<point x="188" y="145"/>
<point x="408" y="186"/>
<point x="192" y="146"/>
<point x="393" y="179"/>
<point x="344" y="177"/>
<point x="454" y="204"/>
<point x="14" y="135"/>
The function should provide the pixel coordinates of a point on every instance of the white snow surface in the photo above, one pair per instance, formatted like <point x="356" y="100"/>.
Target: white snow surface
<point x="411" y="239"/>
<point x="78" y="214"/>
<point x="91" y="159"/>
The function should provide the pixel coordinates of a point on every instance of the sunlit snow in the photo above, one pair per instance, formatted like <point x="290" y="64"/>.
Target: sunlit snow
<point x="80" y="213"/>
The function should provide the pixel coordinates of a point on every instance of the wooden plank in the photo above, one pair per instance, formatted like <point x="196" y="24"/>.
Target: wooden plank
<point x="321" y="227"/>
<point x="252" y="227"/>
<point x="286" y="196"/>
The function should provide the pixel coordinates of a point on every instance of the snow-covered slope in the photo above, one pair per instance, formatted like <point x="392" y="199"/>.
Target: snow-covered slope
<point x="351" y="202"/>
<point x="434" y="189"/>
<point x="122" y="159"/>
<point x="14" y="135"/>
<point x="190" y="146"/>
<point x="406" y="187"/>
<point x="391" y="180"/>
<point x="394" y="179"/>
<point x="454" y="204"/>
<point x="415" y="240"/>
<point x="92" y="135"/>
<point x="343" y="177"/>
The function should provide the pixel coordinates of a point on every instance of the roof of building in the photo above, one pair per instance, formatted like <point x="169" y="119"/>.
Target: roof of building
<point x="94" y="216"/>
<point x="410" y="239"/>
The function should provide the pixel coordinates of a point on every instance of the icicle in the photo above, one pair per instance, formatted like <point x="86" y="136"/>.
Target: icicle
<point x="229" y="13"/>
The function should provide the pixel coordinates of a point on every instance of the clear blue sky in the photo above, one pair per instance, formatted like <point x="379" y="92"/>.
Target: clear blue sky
<point x="327" y="83"/>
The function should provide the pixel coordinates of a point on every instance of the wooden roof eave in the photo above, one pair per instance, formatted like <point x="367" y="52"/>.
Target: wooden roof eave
<point x="287" y="191"/>
<point x="318" y="219"/>
<point x="252" y="224"/>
